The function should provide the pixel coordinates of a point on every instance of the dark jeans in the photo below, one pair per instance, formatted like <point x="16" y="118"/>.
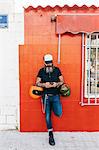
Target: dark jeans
<point x="52" y="103"/>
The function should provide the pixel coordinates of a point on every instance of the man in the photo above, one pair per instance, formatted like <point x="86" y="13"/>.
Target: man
<point x="50" y="78"/>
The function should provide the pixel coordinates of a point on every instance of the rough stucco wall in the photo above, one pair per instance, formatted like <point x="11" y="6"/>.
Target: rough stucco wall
<point x="10" y="38"/>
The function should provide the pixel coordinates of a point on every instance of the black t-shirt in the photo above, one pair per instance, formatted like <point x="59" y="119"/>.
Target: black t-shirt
<point x="52" y="77"/>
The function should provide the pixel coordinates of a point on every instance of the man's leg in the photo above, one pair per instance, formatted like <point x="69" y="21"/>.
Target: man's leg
<point x="48" y="121"/>
<point x="57" y="106"/>
<point x="48" y="115"/>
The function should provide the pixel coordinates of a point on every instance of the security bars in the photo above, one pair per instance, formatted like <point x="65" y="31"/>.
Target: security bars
<point x="3" y="21"/>
<point x="90" y="82"/>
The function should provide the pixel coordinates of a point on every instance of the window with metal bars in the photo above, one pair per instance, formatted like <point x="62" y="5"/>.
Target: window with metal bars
<point x="3" y="21"/>
<point x="92" y="66"/>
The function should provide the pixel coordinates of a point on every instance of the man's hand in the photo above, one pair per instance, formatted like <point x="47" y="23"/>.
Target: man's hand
<point x="54" y="84"/>
<point x="48" y="85"/>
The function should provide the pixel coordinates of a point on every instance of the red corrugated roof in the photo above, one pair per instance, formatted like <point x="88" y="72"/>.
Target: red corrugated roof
<point x="61" y="3"/>
<point x="57" y="6"/>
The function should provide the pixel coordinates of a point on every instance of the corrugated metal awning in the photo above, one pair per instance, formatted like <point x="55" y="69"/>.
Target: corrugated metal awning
<point x="75" y="23"/>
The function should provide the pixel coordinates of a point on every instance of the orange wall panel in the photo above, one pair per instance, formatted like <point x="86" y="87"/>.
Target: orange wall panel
<point x="75" y="117"/>
<point x="40" y="38"/>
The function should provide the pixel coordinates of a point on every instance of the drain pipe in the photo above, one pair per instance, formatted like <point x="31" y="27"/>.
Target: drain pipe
<point x="59" y="36"/>
<point x="82" y="81"/>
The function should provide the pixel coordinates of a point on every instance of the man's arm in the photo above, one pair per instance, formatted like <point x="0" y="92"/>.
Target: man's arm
<point x="39" y="83"/>
<point x="57" y="84"/>
<point x="61" y="80"/>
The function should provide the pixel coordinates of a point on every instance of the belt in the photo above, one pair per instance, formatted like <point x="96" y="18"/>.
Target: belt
<point x="50" y="94"/>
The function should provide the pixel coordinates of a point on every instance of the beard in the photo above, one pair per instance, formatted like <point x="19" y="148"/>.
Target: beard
<point x="49" y="69"/>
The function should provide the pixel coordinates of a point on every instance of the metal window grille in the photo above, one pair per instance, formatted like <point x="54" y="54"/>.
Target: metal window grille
<point x="3" y="21"/>
<point x="90" y="73"/>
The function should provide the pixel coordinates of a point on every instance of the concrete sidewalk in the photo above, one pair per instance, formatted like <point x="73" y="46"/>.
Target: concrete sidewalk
<point x="14" y="140"/>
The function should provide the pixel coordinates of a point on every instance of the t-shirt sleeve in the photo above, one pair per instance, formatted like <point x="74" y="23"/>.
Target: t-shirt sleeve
<point x="59" y="72"/>
<point x="39" y="73"/>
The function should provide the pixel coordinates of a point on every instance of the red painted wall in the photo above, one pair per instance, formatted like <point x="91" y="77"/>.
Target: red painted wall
<point x="40" y="38"/>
